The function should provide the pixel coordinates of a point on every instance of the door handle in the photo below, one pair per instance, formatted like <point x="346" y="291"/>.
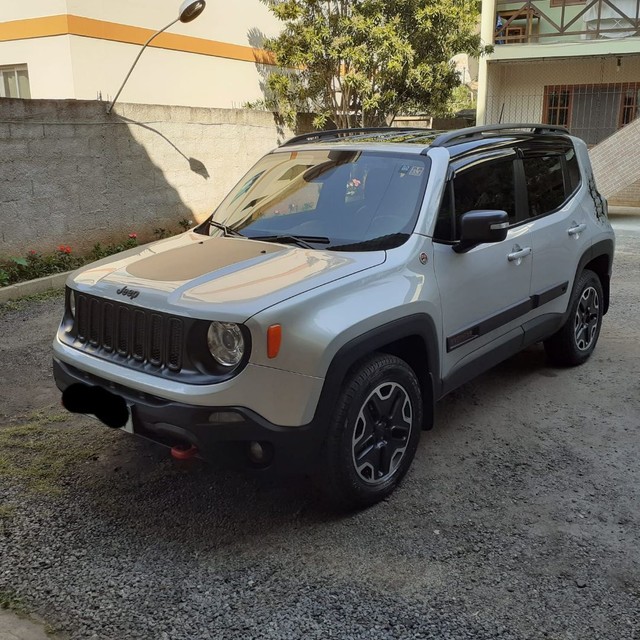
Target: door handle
<point x="517" y="255"/>
<point x="576" y="229"/>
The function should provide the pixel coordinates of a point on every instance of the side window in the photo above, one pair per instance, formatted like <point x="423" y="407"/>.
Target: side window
<point x="489" y="185"/>
<point x="544" y="176"/>
<point x="573" y="170"/>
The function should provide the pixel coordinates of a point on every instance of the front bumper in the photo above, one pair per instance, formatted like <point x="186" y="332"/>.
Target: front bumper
<point x="222" y="435"/>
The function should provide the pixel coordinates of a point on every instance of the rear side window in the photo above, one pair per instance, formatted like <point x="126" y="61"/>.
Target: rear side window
<point x="545" y="183"/>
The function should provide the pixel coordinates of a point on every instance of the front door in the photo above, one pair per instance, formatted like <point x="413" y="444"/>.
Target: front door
<point x="484" y="293"/>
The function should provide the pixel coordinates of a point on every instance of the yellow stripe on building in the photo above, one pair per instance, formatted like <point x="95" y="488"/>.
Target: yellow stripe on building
<point x="102" y="30"/>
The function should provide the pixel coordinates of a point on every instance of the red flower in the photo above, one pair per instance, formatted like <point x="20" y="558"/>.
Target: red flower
<point x="33" y="252"/>
<point x="61" y="248"/>
<point x="67" y="250"/>
<point x="133" y="236"/>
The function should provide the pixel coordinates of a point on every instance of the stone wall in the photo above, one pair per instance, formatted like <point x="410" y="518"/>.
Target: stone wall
<point x="71" y="173"/>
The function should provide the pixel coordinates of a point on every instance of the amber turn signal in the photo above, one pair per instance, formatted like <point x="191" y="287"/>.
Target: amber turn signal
<point x="274" y="339"/>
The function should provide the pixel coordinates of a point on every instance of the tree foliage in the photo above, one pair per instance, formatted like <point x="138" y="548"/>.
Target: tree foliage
<point x="361" y="62"/>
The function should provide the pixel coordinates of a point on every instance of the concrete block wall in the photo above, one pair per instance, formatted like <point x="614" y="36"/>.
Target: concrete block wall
<point x="616" y="166"/>
<point x="71" y="173"/>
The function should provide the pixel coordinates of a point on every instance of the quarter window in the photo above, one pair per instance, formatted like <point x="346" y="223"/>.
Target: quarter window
<point x="545" y="183"/>
<point x="573" y="169"/>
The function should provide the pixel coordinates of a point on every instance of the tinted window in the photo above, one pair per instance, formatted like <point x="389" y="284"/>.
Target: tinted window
<point x="545" y="183"/>
<point x="486" y="186"/>
<point x="444" y="225"/>
<point x="573" y="170"/>
<point x="346" y="196"/>
<point x="489" y="185"/>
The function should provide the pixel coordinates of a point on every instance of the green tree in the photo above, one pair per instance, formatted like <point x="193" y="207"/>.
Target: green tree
<point x="361" y="62"/>
<point x="461" y="98"/>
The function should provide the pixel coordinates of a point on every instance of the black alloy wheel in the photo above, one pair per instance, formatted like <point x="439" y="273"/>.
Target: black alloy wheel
<point x="575" y="341"/>
<point x="373" y="435"/>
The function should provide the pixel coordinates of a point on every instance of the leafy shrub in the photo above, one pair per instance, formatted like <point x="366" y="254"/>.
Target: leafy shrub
<point x="36" y="264"/>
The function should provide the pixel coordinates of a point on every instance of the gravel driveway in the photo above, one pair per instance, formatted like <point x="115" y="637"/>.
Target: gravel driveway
<point x="519" y="519"/>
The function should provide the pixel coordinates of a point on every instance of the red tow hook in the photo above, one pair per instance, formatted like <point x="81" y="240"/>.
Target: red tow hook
<point x="181" y="452"/>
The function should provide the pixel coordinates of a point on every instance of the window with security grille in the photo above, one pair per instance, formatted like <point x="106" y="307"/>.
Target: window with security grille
<point x="630" y="105"/>
<point x="558" y="105"/>
<point x="592" y="112"/>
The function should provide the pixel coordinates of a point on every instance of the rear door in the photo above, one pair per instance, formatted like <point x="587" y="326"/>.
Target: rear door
<point x="557" y="222"/>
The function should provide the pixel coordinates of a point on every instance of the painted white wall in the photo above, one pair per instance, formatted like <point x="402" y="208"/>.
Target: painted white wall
<point x="161" y="76"/>
<point x="222" y="21"/>
<point x="48" y="63"/>
<point x="12" y="10"/>
<point x="86" y="68"/>
<point x="467" y="66"/>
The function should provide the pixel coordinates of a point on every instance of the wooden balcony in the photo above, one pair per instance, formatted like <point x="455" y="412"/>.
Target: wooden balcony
<point x="547" y="21"/>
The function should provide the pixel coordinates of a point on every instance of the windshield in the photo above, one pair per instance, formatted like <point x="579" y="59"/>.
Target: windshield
<point x="336" y="199"/>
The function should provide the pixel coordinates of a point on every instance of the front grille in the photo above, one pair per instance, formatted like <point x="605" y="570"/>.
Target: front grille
<point x="144" y="336"/>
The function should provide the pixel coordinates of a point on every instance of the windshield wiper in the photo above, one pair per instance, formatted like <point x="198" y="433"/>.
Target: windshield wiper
<point x="301" y="241"/>
<point x="382" y="243"/>
<point x="228" y="231"/>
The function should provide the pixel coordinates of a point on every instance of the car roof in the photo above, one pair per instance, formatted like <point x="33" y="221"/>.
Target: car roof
<point x="419" y="141"/>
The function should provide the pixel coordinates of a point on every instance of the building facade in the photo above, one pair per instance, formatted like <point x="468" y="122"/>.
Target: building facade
<point x="83" y="49"/>
<point x="574" y="63"/>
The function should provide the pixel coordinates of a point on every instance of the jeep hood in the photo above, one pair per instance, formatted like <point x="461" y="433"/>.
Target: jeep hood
<point x="219" y="277"/>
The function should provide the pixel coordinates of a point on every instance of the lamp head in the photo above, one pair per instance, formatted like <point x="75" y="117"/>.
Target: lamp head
<point x="191" y="9"/>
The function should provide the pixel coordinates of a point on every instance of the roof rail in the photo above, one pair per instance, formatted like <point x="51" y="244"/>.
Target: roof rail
<point x="336" y="134"/>
<point x="459" y="135"/>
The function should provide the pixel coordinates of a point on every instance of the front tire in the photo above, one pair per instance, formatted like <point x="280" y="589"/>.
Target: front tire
<point x="373" y="435"/>
<point x="575" y="341"/>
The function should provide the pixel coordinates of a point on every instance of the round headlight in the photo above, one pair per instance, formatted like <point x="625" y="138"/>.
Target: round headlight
<point x="225" y="343"/>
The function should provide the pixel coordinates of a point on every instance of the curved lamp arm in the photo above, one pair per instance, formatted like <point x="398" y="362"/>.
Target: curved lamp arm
<point x="189" y="11"/>
<point x="135" y="62"/>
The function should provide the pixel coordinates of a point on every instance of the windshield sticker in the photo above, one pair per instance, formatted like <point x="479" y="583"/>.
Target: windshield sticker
<point x="411" y="169"/>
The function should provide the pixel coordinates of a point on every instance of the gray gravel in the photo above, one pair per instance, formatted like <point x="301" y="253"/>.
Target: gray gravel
<point x="519" y="519"/>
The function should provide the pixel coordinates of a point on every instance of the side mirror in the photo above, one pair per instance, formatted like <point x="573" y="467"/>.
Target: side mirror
<point x="479" y="227"/>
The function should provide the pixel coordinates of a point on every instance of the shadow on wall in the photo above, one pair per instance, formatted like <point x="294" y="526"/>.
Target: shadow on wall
<point x="70" y="174"/>
<point x="197" y="166"/>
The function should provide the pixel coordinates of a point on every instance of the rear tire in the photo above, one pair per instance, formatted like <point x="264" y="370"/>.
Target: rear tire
<point x="373" y="435"/>
<point x="575" y="341"/>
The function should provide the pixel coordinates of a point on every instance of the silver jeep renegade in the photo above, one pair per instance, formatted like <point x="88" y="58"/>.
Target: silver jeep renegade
<point x="349" y="281"/>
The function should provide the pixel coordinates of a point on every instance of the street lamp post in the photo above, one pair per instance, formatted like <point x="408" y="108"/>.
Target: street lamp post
<point x="189" y="10"/>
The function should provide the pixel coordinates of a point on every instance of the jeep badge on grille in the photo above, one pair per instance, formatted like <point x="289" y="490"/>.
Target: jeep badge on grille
<point x="129" y="293"/>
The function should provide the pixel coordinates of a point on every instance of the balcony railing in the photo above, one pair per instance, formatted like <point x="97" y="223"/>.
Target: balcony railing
<point x="547" y="21"/>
